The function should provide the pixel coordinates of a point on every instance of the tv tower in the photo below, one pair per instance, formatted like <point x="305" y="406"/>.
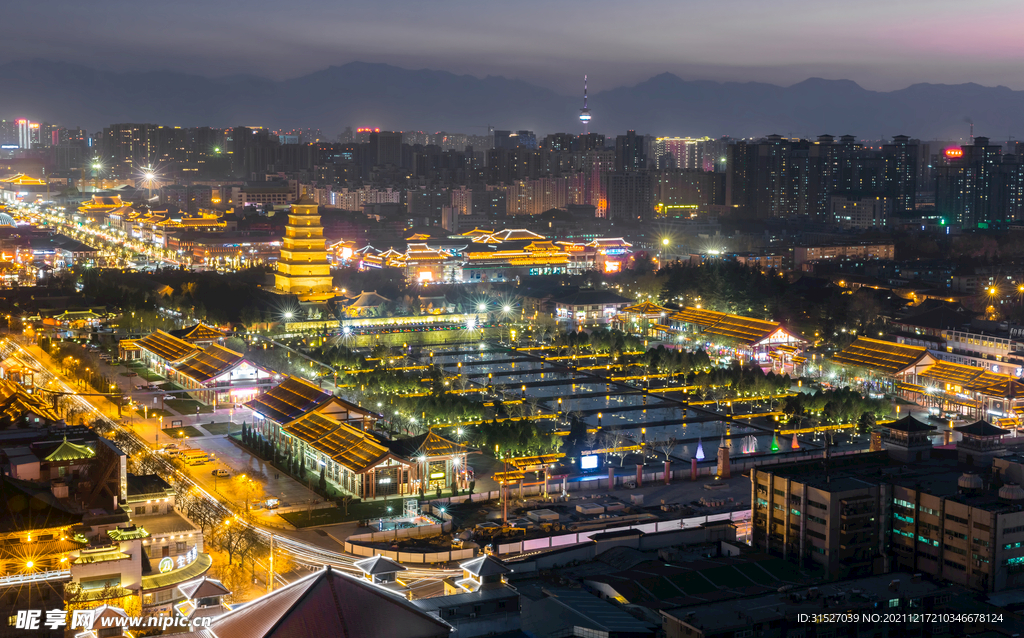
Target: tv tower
<point x="585" y="111"/>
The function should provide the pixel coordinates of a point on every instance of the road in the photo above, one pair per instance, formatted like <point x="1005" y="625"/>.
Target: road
<point x="299" y="545"/>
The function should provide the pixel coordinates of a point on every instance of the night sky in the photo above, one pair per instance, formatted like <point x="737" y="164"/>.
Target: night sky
<point x="881" y="44"/>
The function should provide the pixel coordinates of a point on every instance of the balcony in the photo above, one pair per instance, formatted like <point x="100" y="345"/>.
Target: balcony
<point x="859" y="512"/>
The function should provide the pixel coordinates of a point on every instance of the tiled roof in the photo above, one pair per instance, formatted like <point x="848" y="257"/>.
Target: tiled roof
<point x="16" y="403"/>
<point x="485" y="566"/>
<point x="204" y="588"/>
<point x="213" y="361"/>
<point x="198" y="332"/>
<point x="351" y="447"/>
<point x="884" y="356"/>
<point x="329" y="603"/>
<point x="379" y="565"/>
<point x="981" y="428"/>
<point x="909" y="424"/>
<point x="974" y="379"/>
<point x="288" y="400"/>
<point x="167" y="346"/>
<point x="738" y="328"/>
<point x="70" y="452"/>
<point x="646" y="308"/>
<point x="429" y="444"/>
<point x="312" y="427"/>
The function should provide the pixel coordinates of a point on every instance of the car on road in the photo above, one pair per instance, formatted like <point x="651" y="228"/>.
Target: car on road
<point x="272" y="503"/>
<point x="221" y="472"/>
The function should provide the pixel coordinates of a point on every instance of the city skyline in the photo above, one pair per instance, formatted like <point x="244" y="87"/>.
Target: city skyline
<point x="878" y="45"/>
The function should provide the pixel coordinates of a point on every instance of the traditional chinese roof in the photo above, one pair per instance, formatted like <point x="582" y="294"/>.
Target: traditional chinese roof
<point x="974" y="379"/>
<point x="198" y="332"/>
<point x="429" y="444"/>
<point x="909" y="424"/>
<point x="203" y="588"/>
<point x="328" y="603"/>
<point x="128" y="533"/>
<point x="16" y="403"/>
<point x="67" y="451"/>
<point x="20" y="179"/>
<point x="981" y="429"/>
<point x="312" y="426"/>
<point x="368" y="300"/>
<point x="591" y="298"/>
<point x="746" y="330"/>
<point x="884" y="356"/>
<point x="422" y="252"/>
<point x="485" y="566"/>
<point x="288" y="400"/>
<point x="514" y="234"/>
<point x="210" y="363"/>
<point x="379" y="565"/>
<point x="167" y="346"/>
<point x="610" y="242"/>
<point x="646" y="308"/>
<point x="351" y="447"/>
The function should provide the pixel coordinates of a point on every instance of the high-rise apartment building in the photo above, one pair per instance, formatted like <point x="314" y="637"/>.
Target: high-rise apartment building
<point x="977" y="186"/>
<point x="630" y="152"/>
<point x="24" y="133"/>
<point x="901" y="172"/>
<point x="386" y="147"/>
<point x="630" y="196"/>
<point x="781" y="177"/>
<point x="677" y="190"/>
<point x="956" y="515"/>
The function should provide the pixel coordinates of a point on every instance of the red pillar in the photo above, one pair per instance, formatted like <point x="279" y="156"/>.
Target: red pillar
<point x="639" y="475"/>
<point x="668" y="472"/>
<point x="611" y="477"/>
<point x="693" y="469"/>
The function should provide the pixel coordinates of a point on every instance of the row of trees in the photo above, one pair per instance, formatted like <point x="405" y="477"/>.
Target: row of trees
<point x="662" y="360"/>
<point x="516" y="438"/>
<point x="613" y="342"/>
<point x="829" y="407"/>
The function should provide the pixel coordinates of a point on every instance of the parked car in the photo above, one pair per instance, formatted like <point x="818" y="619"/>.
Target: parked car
<point x="220" y="472"/>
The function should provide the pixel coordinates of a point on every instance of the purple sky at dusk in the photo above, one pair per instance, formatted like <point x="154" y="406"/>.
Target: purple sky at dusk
<point x="880" y="44"/>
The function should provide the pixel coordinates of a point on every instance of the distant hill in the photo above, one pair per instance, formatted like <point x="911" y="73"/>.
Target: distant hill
<point x="362" y="94"/>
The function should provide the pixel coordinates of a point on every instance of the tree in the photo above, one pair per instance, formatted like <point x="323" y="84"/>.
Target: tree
<point x="322" y="484"/>
<point x="250" y="317"/>
<point x="344" y="501"/>
<point x="667" y="447"/>
<point x="866" y="423"/>
<point x="234" y="578"/>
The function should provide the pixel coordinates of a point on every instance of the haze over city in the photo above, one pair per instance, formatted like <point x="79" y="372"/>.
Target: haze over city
<point x="451" y="319"/>
<point x="878" y="44"/>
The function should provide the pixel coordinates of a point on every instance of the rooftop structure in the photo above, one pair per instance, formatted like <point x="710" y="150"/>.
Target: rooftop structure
<point x="756" y="336"/>
<point x="884" y="357"/>
<point x="326" y="603"/>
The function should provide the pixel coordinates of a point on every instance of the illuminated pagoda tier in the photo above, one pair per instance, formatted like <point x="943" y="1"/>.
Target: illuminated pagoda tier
<point x="303" y="269"/>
